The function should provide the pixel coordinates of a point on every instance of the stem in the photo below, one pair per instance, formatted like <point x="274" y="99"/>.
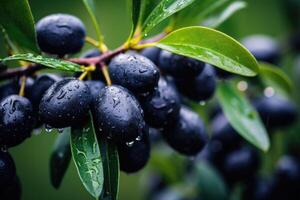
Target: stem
<point x="22" y="88"/>
<point x="92" y="41"/>
<point x="10" y="73"/>
<point x="105" y="72"/>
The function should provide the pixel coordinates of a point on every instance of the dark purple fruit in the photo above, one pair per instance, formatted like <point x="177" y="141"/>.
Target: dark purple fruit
<point x="187" y="136"/>
<point x="60" y="34"/>
<point x="7" y="169"/>
<point x="136" y="73"/>
<point x="65" y="103"/>
<point x="263" y="48"/>
<point x="16" y="120"/>
<point x="135" y="155"/>
<point x="118" y="115"/>
<point x="200" y="88"/>
<point x="12" y="191"/>
<point x="151" y="53"/>
<point x="179" y="66"/>
<point x="40" y="86"/>
<point x="224" y="134"/>
<point x="276" y="111"/>
<point x="162" y="107"/>
<point x="95" y="88"/>
<point x="241" y="164"/>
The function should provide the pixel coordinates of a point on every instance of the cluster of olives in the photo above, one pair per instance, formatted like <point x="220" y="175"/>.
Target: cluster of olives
<point x="149" y="92"/>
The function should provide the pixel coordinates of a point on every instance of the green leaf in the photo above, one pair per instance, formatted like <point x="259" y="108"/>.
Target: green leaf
<point x="110" y="159"/>
<point x="16" y="18"/>
<point x="60" y="158"/>
<point x="90" y="7"/>
<point x="195" y="13"/>
<point x="49" y="62"/>
<point x="87" y="158"/>
<point x="135" y="15"/>
<point x="211" y="184"/>
<point x="276" y="78"/>
<point x="217" y="19"/>
<point x="162" y="11"/>
<point x="212" y="47"/>
<point x="242" y="116"/>
<point x="146" y="8"/>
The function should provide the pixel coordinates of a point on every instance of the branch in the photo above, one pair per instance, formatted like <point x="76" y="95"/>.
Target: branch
<point x="10" y="73"/>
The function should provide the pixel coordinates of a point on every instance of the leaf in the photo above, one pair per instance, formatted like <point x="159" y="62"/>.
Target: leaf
<point x="217" y="19"/>
<point x="163" y="10"/>
<point x="242" y="116"/>
<point x="211" y="184"/>
<point x="109" y="155"/>
<point x="49" y="62"/>
<point x="87" y="158"/>
<point x="212" y="47"/>
<point x="90" y="7"/>
<point x="276" y="78"/>
<point x="146" y="8"/>
<point x="60" y="158"/>
<point x="135" y="15"/>
<point x="197" y="11"/>
<point x="16" y="18"/>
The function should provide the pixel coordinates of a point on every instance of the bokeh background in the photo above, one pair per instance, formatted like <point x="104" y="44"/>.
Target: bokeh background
<point x="32" y="157"/>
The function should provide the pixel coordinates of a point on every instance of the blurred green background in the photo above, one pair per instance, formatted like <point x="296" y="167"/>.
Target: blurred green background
<point x="32" y="157"/>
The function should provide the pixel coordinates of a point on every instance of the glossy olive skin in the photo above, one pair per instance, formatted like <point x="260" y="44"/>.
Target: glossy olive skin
<point x="7" y="169"/>
<point x="287" y="171"/>
<point x="65" y="103"/>
<point x="40" y="86"/>
<point x="13" y="87"/>
<point x="188" y="135"/>
<point x="241" y="164"/>
<point x="134" y="157"/>
<point x="95" y="88"/>
<point x="179" y="66"/>
<point x="260" y="189"/>
<point x="12" y="191"/>
<point x="16" y="120"/>
<point x="60" y="34"/>
<point x="276" y="111"/>
<point x="118" y="115"/>
<point x="223" y="133"/>
<point x="136" y="73"/>
<point x="263" y="48"/>
<point x="151" y="53"/>
<point x="200" y="88"/>
<point x="162" y="107"/>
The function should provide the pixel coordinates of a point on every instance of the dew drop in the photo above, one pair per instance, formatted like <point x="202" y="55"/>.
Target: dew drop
<point x="48" y="128"/>
<point x="138" y="138"/>
<point x="60" y="130"/>
<point x="130" y="144"/>
<point x="202" y="103"/>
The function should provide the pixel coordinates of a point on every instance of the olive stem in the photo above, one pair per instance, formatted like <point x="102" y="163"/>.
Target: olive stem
<point x="87" y="70"/>
<point x="92" y="41"/>
<point x="22" y="88"/>
<point x="105" y="72"/>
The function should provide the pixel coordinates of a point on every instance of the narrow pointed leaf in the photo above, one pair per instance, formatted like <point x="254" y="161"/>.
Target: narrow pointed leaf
<point x="49" y="62"/>
<point x="195" y="13"/>
<point x="60" y="158"/>
<point x="162" y="11"/>
<point x="87" y="158"/>
<point x="16" y="18"/>
<point x="242" y="116"/>
<point x="217" y="19"/>
<point x="90" y="7"/>
<point x="135" y="15"/>
<point x="212" y="47"/>
<point x="276" y="78"/>
<point x="110" y="159"/>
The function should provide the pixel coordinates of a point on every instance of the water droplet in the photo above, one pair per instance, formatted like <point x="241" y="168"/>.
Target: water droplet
<point x="202" y="103"/>
<point x="138" y="138"/>
<point x="4" y="148"/>
<point x="130" y="144"/>
<point x="60" y="130"/>
<point x="48" y="128"/>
